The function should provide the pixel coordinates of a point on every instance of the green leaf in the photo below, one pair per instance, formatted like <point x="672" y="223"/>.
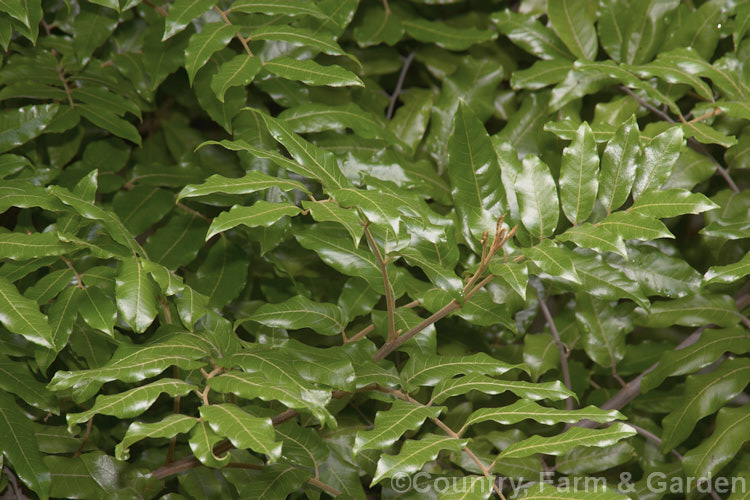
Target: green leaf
<point x="578" y="173"/>
<point x="691" y="311"/>
<point x="552" y="260"/>
<point x="322" y="41"/>
<point x="143" y="206"/>
<point x="671" y="203"/>
<point x="223" y="273"/>
<point x="313" y="162"/>
<point x="659" y="158"/>
<point x="178" y="241"/>
<point x="430" y="370"/>
<point x="543" y="491"/>
<point x="169" y="427"/>
<point x="703" y="395"/>
<point x="635" y="226"/>
<point x="238" y="71"/>
<point x="711" y="345"/>
<point x="391" y="424"/>
<point x="487" y="385"/>
<point x="22" y="246"/>
<point x="300" y="312"/>
<point x="522" y="410"/>
<point x="336" y="250"/>
<point x="529" y="34"/>
<point x="21" y="448"/>
<point x="48" y="287"/>
<point x="202" y="441"/>
<point x="275" y="481"/>
<point x="266" y="387"/>
<point x="572" y="438"/>
<point x="137" y="295"/>
<point x="97" y="310"/>
<point x="17" y="379"/>
<point x="410" y="120"/>
<point x="132" y="403"/>
<point x="242" y="429"/>
<point x="595" y="237"/>
<point x="729" y="273"/>
<point x="213" y="37"/>
<point x="281" y="7"/>
<point x="133" y="363"/>
<point x="414" y="454"/>
<point x="18" y="126"/>
<point x="313" y="117"/>
<point x="22" y="316"/>
<point x="537" y="198"/>
<point x="571" y="21"/>
<point x="475" y="176"/>
<point x="330" y="211"/>
<point x="643" y="29"/>
<point x="515" y="275"/>
<point x="541" y="74"/>
<point x="730" y="434"/>
<point x="71" y="478"/>
<point x="312" y="73"/>
<point x="262" y="213"/>
<point x="604" y="282"/>
<point x="181" y="13"/>
<point x="445" y="36"/>
<point x="604" y="329"/>
<point x="540" y="354"/>
<point x="62" y="314"/>
<point x="108" y="120"/>
<point x="379" y="26"/>
<point x="659" y="274"/>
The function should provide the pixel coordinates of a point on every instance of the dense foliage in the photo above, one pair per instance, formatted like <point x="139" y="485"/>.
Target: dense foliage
<point x="255" y="248"/>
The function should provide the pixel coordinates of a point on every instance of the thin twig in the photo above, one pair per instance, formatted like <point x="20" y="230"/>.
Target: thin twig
<point x="193" y="212"/>
<point x="64" y="81"/>
<point x="390" y="302"/>
<point x="75" y="273"/>
<point x="560" y="347"/>
<point x="157" y="8"/>
<point x="401" y="78"/>
<point x="238" y="36"/>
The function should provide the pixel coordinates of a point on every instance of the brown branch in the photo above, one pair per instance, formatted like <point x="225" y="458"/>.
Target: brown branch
<point x="238" y="36"/>
<point x="157" y="8"/>
<point x="399" y="83"/>
<point x="75" y="273"/>
<point x="569" y="404"/>
<point x="193" y="212"/>
<point x="390" y="301"/>
<point x="64" y="81"/>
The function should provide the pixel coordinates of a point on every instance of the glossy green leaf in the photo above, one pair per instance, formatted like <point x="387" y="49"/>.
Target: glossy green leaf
<point x="430" y="370"/>
<point x="604" y="330"/>
<point x="317" y="117"/>
<point x="578" y="174"/>
<point x="312" y="73"/>
<point x="704" y="394"/>
<point x="223" y="273"/>
<point x="236" y="72"/>
<point x="97" y="310"/>
<point x="133" y="402"/>
<point x="568" y="440"/>
<point x="731" y="433"/>
<point x="242" y="429"/>
<point x="414" y="454"/>
<point x="635" y="226"/>
<point x="529" y="34"/>
<point x="21" y="125"/>
<point x="445" y="36"/>
<point x="108" y="120"/>
<point x="475" y="176"/>
<point x="281" y="7"/>
<point x="595" y="237"/>
<point x="391" y="424"/>
<point x="300" y="312"/>
<point x="728" y="273"/>
<point x="262" y="213"/>
<point x="20" y="447"/>
<point x="691" y="311"/>
<point x="671" y="203"/>
<point x="659" y="158"/>
<point x="522" y="410"/>
<point x="709" y="347"/>
<point x="487" y="385"/>
<point x="330" y="211"/>
<point x="201" y="47"/>
<point x="22" y="316"/>
<point x="17" y="379"/>
<point x="571" y="21"/>
<point x="22" y="246"/>
<point x="552" y="260"/>
<point x="137" y="295"/>
<point x="181" y="13"/>
<point x="48" y="287"/>
<point x="537" y="198"/>
<point x="265" y="387"/>
<point x="166" y="428"/>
